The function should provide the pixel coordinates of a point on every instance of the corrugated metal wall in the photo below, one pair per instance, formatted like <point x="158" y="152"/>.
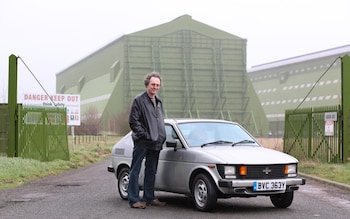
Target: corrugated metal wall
<point x="203" y="77"/>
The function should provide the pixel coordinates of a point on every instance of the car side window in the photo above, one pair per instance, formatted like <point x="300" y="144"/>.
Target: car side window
<point x="170" y="134"/>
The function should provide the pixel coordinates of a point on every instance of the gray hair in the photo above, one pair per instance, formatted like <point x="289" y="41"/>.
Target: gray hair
<point x="150" y="75"/>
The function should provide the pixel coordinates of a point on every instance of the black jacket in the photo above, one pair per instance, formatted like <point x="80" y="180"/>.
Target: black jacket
<point x="146" y="122"/>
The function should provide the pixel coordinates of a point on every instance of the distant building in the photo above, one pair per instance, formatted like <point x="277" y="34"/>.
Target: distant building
<point x="203" y="69"/>
<point x="309" y="80"/>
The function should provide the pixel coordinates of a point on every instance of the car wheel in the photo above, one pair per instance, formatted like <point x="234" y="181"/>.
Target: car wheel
<point x="283" y="200"/>
<point x="204" y="193"/>
<point x="123" y="183"/>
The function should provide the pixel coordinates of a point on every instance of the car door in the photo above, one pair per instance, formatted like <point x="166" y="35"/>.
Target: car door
<point x="173" y="166"/>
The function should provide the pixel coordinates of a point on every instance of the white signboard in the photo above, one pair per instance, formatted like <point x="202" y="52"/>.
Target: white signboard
<point x="330" y="116"/>
<point x="329" y="128"/>
<point x="69" y="101"/>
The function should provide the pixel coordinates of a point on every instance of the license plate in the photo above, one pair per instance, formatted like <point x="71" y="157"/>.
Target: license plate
<point x="269" y="185"/>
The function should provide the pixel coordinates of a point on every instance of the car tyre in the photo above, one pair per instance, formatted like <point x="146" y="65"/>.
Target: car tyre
<point x="204" y="193"/>
<point x="123" y="183"/>
<point x="283" y="200"/>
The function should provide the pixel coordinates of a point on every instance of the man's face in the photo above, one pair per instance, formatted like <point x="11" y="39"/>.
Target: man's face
<point x="153" y="86"/>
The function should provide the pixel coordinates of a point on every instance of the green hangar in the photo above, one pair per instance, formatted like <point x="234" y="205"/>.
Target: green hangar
<point x="310" y="80"/>
<point x="203" y="70"/>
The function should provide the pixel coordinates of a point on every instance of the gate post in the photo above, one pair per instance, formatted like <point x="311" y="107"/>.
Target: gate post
<point x="345" y="91"/>
<point x="12" y="104"/>
<point x="310" y="133"/>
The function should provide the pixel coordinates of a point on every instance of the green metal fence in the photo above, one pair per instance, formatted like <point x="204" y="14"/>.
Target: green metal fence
<point x="4" y="126"/>
<point x="42" y="133"/>
<point x="309" y="134"/>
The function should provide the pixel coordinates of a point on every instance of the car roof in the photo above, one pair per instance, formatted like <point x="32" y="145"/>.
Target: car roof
<point x="189" y="120"/>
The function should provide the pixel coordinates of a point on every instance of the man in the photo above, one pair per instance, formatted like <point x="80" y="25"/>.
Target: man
<point x="148" y="132"/>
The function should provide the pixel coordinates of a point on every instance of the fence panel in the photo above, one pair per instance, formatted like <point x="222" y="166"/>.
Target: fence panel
<point x="305" y="136"/>
<point x="296" y="134"/>
<point x="4" y="127"/>
<point x="42" y="133"/>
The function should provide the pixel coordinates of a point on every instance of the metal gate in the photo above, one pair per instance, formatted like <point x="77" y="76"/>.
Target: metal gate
<point x="309" y="134"/>
<point x="4" y="127"/>
<point x="42" y="133"/>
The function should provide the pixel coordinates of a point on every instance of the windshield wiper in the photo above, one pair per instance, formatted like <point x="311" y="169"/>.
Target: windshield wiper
<point x="217" y="142"/>
<point x="243" y="141"/>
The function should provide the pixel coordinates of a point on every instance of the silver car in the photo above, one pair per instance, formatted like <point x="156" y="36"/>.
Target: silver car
<point x="210" y="159"/>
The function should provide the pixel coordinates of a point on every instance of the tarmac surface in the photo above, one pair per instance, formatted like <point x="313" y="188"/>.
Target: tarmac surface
<point x="325" y="181"/>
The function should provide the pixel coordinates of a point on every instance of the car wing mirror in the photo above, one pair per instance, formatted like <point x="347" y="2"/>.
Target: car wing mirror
<point x="174" y="144"/>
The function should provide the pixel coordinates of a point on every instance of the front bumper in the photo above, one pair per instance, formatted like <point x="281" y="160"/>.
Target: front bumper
<point x="246" y="186"/>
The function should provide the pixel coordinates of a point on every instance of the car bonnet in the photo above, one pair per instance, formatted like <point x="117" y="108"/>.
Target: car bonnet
<point x="248" y="155"/>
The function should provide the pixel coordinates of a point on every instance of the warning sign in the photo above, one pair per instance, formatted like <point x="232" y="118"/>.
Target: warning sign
<point x="329" y="128"/>
<point x="69" y="101"/>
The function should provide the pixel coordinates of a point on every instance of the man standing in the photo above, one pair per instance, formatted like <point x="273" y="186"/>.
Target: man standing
<point x="148" y="132"/>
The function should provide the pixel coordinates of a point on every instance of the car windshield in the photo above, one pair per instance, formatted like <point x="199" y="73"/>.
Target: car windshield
<point x="200" y="134"/>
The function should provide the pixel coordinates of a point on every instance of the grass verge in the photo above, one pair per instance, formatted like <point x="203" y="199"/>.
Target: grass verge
<point x="15" y="172"/>
<point x="334" y="172"/>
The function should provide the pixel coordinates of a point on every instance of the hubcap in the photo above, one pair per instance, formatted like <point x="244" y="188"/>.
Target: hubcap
<point x="201" y="193"/>
<point x="124" y="182"/>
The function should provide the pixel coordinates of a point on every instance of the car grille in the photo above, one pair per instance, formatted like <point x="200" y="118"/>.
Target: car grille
<point x="258" y="171"/>
<point x="265" y="172"/>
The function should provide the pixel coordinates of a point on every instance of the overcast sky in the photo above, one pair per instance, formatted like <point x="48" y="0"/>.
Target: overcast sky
<point x="51" y="35"/>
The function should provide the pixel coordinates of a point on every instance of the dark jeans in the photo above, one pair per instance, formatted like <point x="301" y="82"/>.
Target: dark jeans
<point x="151" y="164"/>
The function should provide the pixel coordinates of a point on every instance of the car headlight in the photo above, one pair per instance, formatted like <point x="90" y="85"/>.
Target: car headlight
<point x="291" y="170"/>
<point x="230" y="172"/>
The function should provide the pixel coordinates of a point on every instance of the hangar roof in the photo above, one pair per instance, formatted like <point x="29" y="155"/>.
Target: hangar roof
<point x="182" y="23"/>
<point x="302" y="58"/>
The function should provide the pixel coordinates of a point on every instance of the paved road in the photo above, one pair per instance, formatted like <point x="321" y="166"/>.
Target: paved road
<point x="90" y="193"/>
